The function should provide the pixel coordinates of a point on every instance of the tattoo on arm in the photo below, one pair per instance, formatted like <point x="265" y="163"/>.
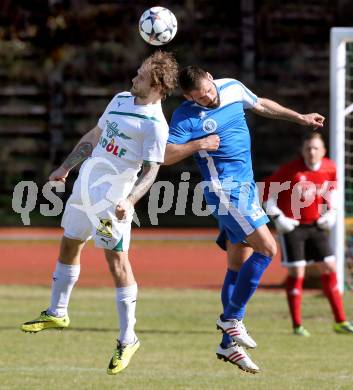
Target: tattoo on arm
<point x="79" y="154"/>
<point x="144" y="181"/>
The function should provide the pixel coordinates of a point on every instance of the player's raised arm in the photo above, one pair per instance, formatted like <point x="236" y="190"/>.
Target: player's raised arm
<point x="177" y="152"/>
<point x="270" y="109"/>
<point x="81" y="151"/>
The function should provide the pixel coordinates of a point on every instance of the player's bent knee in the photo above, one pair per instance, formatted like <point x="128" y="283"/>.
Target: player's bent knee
<point x="273" y="249"/>
<point x="268" y="248"/>
<point x="269" y="252"/>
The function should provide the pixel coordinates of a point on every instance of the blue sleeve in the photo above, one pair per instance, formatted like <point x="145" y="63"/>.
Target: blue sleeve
<point x="179" y="129"/>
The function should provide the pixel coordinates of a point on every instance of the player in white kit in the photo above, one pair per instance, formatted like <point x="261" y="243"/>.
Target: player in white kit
<point x="130" y="135"/>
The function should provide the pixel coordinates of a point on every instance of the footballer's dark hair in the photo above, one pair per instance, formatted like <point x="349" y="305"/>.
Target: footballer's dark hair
<point x="190" y="78"/>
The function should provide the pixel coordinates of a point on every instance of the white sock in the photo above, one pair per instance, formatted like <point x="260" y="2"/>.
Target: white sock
<point x="126" y="305"/>
<point x="64" y="279"/>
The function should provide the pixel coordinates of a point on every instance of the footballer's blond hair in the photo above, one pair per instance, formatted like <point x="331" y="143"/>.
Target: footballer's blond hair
<point x="163" y="69"/>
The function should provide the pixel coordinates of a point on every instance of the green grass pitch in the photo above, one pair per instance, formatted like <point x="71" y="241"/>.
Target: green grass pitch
<point x="178" y="343"/>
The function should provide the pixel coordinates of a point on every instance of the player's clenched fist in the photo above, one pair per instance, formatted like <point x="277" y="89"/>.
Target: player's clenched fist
<point x="124" y="209"/>
<point x="210" y="143"/>
<point x="59" y="174"/>
<point x="314" y="119"/>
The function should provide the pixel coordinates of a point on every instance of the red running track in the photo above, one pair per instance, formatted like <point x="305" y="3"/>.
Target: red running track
<point x="175" y="258"/>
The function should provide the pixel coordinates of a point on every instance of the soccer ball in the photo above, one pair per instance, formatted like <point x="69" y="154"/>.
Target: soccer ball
<point x="158" y="26"/>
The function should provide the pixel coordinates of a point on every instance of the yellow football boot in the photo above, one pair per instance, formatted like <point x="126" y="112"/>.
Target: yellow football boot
<point x="122" y="356"/>
<point x="45" y="321"/>
<point x="344" y="327"/>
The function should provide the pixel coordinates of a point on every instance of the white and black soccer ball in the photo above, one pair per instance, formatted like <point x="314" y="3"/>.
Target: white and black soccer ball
<point x="158" y="26"/>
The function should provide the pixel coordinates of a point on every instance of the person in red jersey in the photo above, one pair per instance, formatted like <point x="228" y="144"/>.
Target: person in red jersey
<point x="301" y="202"/>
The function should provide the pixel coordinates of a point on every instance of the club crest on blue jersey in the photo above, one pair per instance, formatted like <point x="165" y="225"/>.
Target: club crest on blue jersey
<point x="209" y="125"/>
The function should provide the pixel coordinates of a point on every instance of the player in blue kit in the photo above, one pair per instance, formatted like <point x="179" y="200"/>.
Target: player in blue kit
<point x="211" y="125"/>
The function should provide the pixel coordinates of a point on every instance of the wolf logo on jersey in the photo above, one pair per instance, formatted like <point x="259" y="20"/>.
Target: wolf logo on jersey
<point x="113" y="131"/>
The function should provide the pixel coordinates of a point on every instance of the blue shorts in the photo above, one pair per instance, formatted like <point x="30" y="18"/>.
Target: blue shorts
<point x="238" y="212"/>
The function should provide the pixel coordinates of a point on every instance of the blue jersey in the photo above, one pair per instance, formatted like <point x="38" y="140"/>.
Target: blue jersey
<point x="191" y="121"/>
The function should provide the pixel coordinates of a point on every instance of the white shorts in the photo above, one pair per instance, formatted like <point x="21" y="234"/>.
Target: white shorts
<point x="90" y="211"/>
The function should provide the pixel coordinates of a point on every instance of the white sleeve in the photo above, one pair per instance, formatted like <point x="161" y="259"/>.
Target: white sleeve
<point x="154" y="143"/>
<point x="248" y="97"/>
<point x="102" y="119"/>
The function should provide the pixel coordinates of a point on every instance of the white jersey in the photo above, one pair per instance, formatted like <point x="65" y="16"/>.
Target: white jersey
<point x="131" y="133"/>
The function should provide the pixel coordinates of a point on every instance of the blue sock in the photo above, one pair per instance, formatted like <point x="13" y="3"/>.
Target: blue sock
<point x="227" y="291"/>
<point x="247" y="282"/>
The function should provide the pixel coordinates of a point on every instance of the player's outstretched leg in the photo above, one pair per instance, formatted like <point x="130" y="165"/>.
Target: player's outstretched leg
<point x="122" y="356"/>
<point x="236" y="355"/>
<point x="46" y="321"/>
